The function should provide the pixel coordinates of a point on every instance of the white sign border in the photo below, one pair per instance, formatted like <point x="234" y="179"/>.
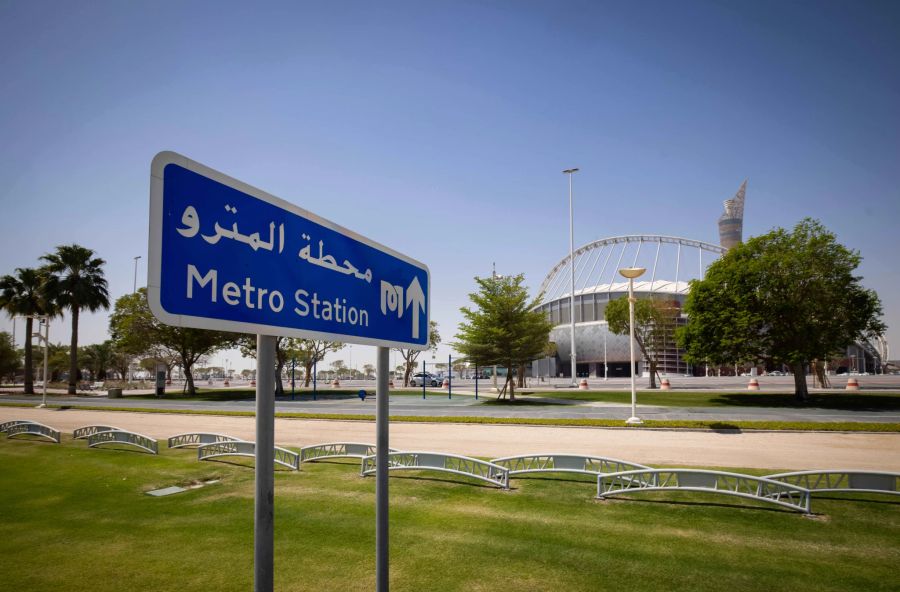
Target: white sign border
<point x="154" y="260"/>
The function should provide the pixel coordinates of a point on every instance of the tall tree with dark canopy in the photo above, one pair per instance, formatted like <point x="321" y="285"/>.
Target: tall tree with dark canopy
<point x="21" y="294"/>
<point x="503" y="329"/>
<point x="654" y="326"/>
<point x="74" y="281"/>
<point x="784" y="297"/>
<point x="136" y="331"/>
<point x="9" y="357"/>
<point x="411" y="356"/>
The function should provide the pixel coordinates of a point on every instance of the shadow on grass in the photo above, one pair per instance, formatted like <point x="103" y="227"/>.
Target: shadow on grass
<point x="529" y="402"/>
<point x="724" y="428"/>
<point x="236" y="462"/>
<point x="543" y="478"/>
<point x="888" y="502"/>
<point x="838" y="401"/>
<point x="467" y="482"/>
<point x="122" y="448"/>
<point x="703" y="504"/>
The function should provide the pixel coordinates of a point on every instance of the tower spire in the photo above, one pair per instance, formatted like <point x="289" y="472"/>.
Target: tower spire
<point x="731" y="222"/>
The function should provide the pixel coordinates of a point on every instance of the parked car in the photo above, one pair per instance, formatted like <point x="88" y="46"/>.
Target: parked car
<point x="776" y="373"/>
<point x="421" y="378"/>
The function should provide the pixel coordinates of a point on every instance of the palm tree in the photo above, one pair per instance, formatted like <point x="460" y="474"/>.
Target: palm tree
<point x="21" y="294"/>
<point x="75" y="281"/>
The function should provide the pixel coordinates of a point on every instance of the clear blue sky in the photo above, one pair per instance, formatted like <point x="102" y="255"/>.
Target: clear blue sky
<point x="440" y="128"/>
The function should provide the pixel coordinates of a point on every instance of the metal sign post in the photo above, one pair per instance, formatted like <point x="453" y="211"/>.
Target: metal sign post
<point x="382" y="446"/>
<point x="264" y="503"/>
<point x="226" y="256"/>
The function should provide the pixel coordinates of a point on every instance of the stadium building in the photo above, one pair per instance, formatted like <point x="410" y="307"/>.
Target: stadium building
<point x="671" y="263"/>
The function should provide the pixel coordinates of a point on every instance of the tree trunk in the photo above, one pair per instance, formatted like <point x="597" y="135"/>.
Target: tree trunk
<point x="652" y="373"/>
<point x="800" y="390"/>
<point x="190" y="381"/>
<point x="406" y="373"/>
<point x="279" y="385"/>
<point x="29" y="357"/>
<point x="510" y="379"/>
<point x="308" y="367"/>
<point x="73" y="352"/>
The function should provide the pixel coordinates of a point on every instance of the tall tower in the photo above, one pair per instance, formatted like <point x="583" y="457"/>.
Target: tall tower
<point x="731" y="222"/>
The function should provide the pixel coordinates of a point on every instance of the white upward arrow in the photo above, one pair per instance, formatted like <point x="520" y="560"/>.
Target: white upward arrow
<point x="416" y="297"/>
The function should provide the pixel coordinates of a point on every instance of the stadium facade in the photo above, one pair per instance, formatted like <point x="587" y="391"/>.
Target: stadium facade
<point x="671" y="263"/>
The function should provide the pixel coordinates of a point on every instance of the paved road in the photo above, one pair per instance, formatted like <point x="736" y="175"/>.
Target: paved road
<point x="768" y="450"/>
<point x="465" y="405"/>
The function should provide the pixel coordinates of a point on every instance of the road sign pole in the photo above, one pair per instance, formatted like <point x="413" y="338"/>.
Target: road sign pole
<point x="382" y="563"/>
<point x="264" y="506"/>
<point x="476" y="382"/>
<point x="423" y="379"/>
<point x="315" y="376"/>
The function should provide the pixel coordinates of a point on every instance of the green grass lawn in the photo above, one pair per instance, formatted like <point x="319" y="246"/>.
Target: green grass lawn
<point x="323" y="394"/>
<point x="78" y="519"/>
<point x="860" y="401"/>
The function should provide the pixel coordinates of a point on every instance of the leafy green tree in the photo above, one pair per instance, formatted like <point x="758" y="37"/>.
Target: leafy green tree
<point x="305" y="351"/>
<point x="21" y="294"/>
<point x="74" y="281"/>
<point x="503" y="329"/>
<point x="368" y="370"/>
<point x="137" y="332"/>
<point x="783" y="297"/>
<point x="98" y="358"/>
<point x="654" y="326"/>
<point x="411" y="356"/>
<point x="311" y="351"/>
<point x="58" y="360"/>
<point x="9" y="357"/>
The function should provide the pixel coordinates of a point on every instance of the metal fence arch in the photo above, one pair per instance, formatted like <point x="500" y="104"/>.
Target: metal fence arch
<point x="316" y="452"/>
<point x="844" y="481"/>
<point x="197" y="439"/>
<point x="89" y="430"/>
<point x="553" y="462"/>
<point x="133" y="439"/>
<point x="447" y="463"/>
<point x="283" y="457"/>
<point x="33" y="428"/>
<point x="721" y="482"/>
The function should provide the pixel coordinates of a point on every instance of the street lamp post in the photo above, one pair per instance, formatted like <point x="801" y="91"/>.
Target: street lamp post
<point x="45" y="321"/>
<point x="570" y="172"/>
<point x="134" y="286"/>
<point x="631" y="273"/>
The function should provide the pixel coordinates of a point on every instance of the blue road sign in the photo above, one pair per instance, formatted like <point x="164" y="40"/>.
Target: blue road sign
<point x="230" y="257"/>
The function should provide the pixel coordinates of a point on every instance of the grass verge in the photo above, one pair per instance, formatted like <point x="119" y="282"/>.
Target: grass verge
<point x="85" y="513"/>
<point x="836" y="426"/>
<point x="860" y="401"/>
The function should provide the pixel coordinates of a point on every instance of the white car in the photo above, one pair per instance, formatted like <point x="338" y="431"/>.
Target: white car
<point x="423" y="378"/>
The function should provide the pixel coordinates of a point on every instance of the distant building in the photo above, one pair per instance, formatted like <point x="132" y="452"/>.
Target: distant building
<point x="671" y="263"/>
<point x="731" y="222"/>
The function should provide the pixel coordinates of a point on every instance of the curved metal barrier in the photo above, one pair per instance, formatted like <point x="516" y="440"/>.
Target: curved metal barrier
<point x="565" y="463"/>
<point x="436" y="461"/>
<point x="122" y="437"/>
<point x="283" y="457"/>
<point x="198" y="439"/>
<point x="85" y="431"/>
<point x="33" y="428"/>
<point x="747" y="486"/>
<point x="842" y="480"/>
<point x="8" y="424"/>
<point x="337" y="450"/>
